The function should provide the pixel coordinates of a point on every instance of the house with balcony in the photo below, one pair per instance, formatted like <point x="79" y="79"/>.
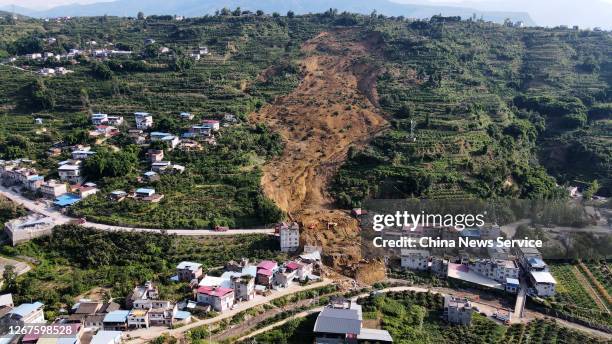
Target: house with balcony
<point x="144" y="120"/>
<point x="218" y="298"/>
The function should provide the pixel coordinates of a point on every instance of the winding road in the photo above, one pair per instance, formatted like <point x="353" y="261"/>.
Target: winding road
<point x="61" y="219"/>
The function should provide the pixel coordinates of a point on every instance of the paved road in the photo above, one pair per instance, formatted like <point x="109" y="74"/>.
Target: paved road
<point x="519" y="307"/>
<point x="60" y="219"/>
<point x="146" y="335"/>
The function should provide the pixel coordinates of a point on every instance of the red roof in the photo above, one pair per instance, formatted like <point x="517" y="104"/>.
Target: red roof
<point x="211" y="121"/>
<point x="264" y="272"/>
<point x="215" y="291"/>
<point x="267" y="264"/>
<point x="293" y="266"/>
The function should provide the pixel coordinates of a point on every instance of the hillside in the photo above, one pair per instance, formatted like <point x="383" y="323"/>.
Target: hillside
<point x="333" y="109"/>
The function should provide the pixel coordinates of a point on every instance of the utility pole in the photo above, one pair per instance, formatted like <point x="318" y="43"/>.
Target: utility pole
<point x="412" y="137"/>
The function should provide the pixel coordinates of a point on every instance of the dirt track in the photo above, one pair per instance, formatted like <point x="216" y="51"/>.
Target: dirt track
<point x="333" y="108"/>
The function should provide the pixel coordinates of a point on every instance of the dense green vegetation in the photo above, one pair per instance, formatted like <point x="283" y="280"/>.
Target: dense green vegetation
<point x="9" y="210"/>
<point x="416" y="318"/>
<point x="221" y="185"/>
<point x="494" y="108"/>
<point x="487" y="103"/>
<point x="74" y="260"/>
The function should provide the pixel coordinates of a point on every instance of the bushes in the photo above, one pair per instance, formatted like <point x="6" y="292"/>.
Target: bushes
<point x="111" y="164"/>
<point x="101" y="71"/>
<point x="120" y="260"/>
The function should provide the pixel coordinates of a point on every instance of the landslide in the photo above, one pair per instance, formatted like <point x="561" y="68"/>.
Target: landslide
<point x="334" y="107"/>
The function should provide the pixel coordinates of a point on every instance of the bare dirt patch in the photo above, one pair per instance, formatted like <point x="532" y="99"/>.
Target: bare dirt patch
<point x="334" y="107"/>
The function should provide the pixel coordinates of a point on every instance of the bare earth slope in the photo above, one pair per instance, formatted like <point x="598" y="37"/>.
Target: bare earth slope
<point x="333" y="108"/>
<point x="319" y="121"/>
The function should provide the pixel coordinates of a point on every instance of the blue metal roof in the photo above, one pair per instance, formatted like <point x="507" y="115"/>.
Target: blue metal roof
<point x="512" y="281"/>
<point x="536" y="262"/>
<point x="66" y="200"/>
<point x="116" y="316"/>
<point x="182" y="315"/>
<point x="145" y="190"/>
<point x="26" y="308"/>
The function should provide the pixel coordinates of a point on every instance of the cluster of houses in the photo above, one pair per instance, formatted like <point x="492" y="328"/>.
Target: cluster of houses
<point x="67" y="191"/>
<point x="197" y="54"/>
<point x="490" y="272"/>
<point x="74" y="327"/>
<point x="241" y="281"/>
<point x="95" y="50"/>
<point x="54" y="71"/>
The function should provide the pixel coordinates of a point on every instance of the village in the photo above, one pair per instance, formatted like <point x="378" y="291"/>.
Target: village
<point x="240" y="283"/>
<point x="58" y="64"/>
<point x="72" y="185"/>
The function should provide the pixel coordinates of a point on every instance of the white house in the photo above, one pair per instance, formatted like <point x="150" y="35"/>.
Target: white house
<point x="144" y="120"/>
<point x="213" y="124"/>
<point x="543" y="283"/>
<point x="82" y="154"/>
<point x="158" y="166"/>
<point x="99" y="118"/>
<point x="70" y="173"/>
<point x="52" y="188"/>
<point x="219" y="298"/>
<point x="186" y="116"/>
<point x="115" y="120"/>
<point x="138" y="318"/>
<point x="289" y="237"/>
<point x="415" y="259"/>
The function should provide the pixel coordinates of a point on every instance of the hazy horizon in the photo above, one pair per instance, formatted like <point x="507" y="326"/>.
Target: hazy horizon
<point x="589" y="13"/>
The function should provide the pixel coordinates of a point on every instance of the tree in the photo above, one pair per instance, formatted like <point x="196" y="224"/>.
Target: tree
<point x="28" y="45"/>
<point x="427" y="120"/>
<point x="290" y="14"/>
<point x="275" y="15"/>
<point x="404" y="111"/>
<point x="236" y="12"/>
<point x="101" y="71"/>
<point x="140" y="16"/>
<point x="182" y="64"/>
<point x="84" y="96"/>
<point x="591" y="190"/>
<point x="40" y="95"/>
<point x="10" y="276"/>
<point x="112" y="164"/>
<point x="259" y="13"/>
<point x="152" y="50"/>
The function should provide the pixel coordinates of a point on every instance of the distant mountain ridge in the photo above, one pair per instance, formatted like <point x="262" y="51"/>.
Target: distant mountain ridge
<point x="194" y="8"/>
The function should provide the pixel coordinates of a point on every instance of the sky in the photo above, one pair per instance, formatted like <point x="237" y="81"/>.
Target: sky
<point x="45" y="4"/>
